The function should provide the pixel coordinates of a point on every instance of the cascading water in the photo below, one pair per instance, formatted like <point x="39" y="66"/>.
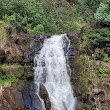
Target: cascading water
<point x="52" y="72"/>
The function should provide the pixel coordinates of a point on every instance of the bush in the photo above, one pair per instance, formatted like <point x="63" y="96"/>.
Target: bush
<point x="98" y="38"/>
<point x="39" y="29"/>
<point x="87" y="8"/>
<point x="101" y="56"/>
<point x="73" y="25"/>
<point x="103" y="72"/>
<point x="102" y="14"/>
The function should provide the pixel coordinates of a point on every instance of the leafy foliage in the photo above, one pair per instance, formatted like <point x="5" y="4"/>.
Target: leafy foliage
<point x="39" y="17"/>
<point x="87" y="8"/>
<point x="103" y="72"/>
<point x="102" y="14"/>
<point x="6" y="80"/>
<point x="99" y="38"/>
<point x="97" y="44"/>
<point x="101" y="56"/>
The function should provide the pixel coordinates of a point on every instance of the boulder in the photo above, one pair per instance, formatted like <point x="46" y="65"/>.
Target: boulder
<point x="11" y="99"/>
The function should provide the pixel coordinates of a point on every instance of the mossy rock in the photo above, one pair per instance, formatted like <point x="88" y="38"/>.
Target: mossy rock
<point x="27" y="75"/>
<point x="13" y="70"/>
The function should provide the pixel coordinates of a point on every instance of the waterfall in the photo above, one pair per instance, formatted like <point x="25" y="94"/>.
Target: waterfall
<point x="52" y="72"/>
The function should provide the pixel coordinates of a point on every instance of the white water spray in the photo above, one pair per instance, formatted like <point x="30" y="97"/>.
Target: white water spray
<point x="51" y="71"/>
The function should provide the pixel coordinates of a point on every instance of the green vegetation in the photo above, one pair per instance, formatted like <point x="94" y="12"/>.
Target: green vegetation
<point x="103" y="72"/>
<point x="98" y="38"/>
<point x="46" y="16"/>
<point x="101" y="56"/>
<point x="12" y="70"/>
<point x="40" y="17"/>
<point x="3" y="34"/>
<point x="90" y="107"/>
<point x="90" y="18"/>
<point x="98" y="42"/>
<point x="6" y="81"/>
<point x="10" y="73"/>
<point x="87" y="8"/>
<point x="102" y="14"/>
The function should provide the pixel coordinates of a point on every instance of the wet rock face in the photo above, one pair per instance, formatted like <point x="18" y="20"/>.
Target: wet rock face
<point x="45" y="97"/>
<point x="11" y="99"/>
<point x="22" y="48"/>
<point x="37" y="42"/>
<point x="31" y="99"/>
<point x="35" y="45"/>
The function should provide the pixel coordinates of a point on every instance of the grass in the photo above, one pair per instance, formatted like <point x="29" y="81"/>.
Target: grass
<point x="6" y="65"/>
<point x="6" y="81"/>
<point x="5" y="78"/>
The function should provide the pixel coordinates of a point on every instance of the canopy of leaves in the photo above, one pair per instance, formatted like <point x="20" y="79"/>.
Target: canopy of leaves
<point x="39" y="16"/>
<point x="87" y="8"/>
<point x="102" y="14"/>
<point x="99" y="38"/>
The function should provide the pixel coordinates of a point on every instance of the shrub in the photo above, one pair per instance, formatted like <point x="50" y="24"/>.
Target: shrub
<point x="101" y="56"/>
<point x="98" y="38"/>
<point x="39" y="29"/>
<point x="103" y="72"/>
<point x="87" y="8"/>
<point x="102" y="14"/>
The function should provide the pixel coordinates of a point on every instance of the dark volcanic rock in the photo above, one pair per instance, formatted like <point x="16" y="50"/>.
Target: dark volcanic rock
<point x="45" y="97"/>
<point x="30" y="98"/>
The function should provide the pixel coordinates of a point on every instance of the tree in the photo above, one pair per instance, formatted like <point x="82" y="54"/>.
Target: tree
<point x="102" y="14"/>
<point x="98" y="38"/>
<point x="51" y="16"/>
<point x="87" y="8"/>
